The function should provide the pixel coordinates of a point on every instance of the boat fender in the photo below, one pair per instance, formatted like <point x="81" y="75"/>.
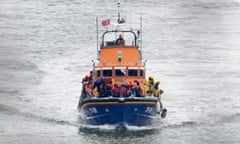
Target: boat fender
<point x="164" y="113"/>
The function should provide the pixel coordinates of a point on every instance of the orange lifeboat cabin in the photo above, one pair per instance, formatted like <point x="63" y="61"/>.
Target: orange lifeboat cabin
<point x="120" y="62"/>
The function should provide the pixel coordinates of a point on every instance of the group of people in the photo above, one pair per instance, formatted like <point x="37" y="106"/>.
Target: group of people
<point x="87" y="82"/>
<point x="104" y="87"/>
<point x="152" y="87"/>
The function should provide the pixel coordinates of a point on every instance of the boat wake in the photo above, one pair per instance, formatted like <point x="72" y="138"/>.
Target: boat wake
<point x="117" y="127"/>
<point x="116" y="131"/>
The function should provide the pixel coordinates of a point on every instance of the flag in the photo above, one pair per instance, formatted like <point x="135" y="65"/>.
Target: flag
<point x="106" y="22"/>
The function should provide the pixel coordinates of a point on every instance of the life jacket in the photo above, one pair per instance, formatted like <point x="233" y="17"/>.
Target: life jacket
<point x="95" y="92"/>
<point x="116" y="91"/>
<point x="87" y="89"/>
<point x="158" y="92"/>
<point x="149" y="86"/>
<point x="90" y="76"/>
<point x="109" y="86"/>
<point x="124" y="90"/>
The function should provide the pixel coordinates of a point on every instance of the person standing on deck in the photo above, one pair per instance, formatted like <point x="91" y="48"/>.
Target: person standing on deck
<point x="157" y="92"/>
<point x="120" y="40"/>
<point x="149" y="85"/>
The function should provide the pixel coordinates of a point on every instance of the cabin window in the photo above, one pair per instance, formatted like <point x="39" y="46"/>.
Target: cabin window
<point x="132" y="72"/>
<point x="141" y="73"/>
<point x="107" y="73"/>
<point x="98" y="73"/>
<point x="120" y="72"/>
<point x="110" y="43"/>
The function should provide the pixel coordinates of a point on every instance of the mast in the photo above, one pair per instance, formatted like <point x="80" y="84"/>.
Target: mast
<point x="97" y="37"/>
<point x="118" y="11"/>
<point x="141" y="37"/>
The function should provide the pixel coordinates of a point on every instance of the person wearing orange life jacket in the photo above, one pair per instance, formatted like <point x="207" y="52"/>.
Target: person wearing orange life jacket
<point x="90" y="81"/>
<point x="85" y="79"/>
<point x="90" y="77"/>
<point x="84" y="85"/>
<point x="87" y="82"/>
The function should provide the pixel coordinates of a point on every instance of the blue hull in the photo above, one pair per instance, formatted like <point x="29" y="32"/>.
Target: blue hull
<point x="119" y="111"/>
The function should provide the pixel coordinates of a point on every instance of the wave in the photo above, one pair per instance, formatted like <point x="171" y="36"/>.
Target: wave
<point x="9" y="110"/>
<point x="22" y="65"/>
<point x="220" y="119"/>
<point x="17" y="72"/>
<point x="9" y="91"/>
<point x="183" y="124"/>
<point x="233" y="118"/>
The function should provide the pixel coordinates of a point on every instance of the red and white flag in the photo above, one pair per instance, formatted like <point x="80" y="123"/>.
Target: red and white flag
<point x="106" y="22"/>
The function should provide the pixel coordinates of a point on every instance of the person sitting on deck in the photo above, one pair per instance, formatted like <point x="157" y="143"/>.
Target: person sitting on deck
<point x="120" y="40"/>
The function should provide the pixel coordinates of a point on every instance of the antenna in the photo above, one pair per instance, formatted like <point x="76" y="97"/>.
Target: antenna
<point x="118" y="11"/>
<point x="97" y="37"/>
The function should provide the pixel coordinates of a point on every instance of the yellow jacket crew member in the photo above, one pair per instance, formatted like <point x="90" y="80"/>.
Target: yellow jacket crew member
<point x="149" y="85"/>
<point x="157" y="92"/>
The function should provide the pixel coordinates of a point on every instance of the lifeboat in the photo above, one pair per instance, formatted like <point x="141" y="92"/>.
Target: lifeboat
<point x="115" y="93"/>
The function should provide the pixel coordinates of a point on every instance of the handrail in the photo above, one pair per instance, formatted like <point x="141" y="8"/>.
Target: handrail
<point x="124" y="31"/>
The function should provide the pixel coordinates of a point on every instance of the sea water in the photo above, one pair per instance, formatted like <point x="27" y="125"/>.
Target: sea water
<point x="192" y="47"/>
